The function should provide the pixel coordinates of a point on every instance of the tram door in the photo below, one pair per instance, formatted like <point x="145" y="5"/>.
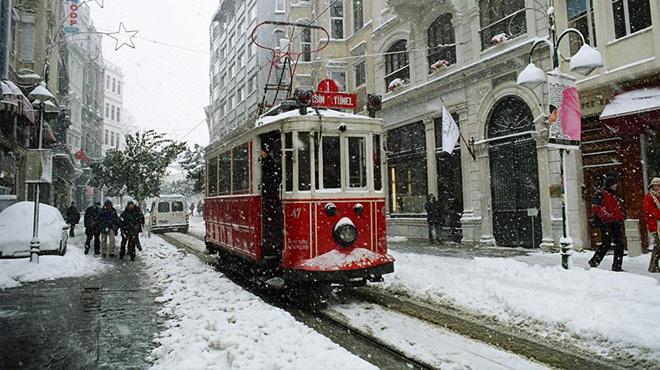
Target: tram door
<point x="270" y="158"/>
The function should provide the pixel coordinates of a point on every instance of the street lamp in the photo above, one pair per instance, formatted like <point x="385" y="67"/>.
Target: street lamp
<point x="42" y="99"/>
<point x="585" y="61"/>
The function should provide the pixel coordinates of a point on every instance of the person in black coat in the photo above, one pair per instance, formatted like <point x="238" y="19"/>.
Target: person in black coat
<point x="132" y="220"/>
<point x="92" y="229"/>
<point x="72" y="217"/>
<point x="109" y="226"/>
<point x="433" y="217"/>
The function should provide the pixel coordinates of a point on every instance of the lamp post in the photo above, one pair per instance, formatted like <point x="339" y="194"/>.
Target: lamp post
<point x="583" y="62"/>
<point x="42" y="98"/>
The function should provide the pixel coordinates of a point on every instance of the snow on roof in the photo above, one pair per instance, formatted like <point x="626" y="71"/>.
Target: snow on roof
<point x="636" y="101"/>
<point x="16" y="227"/>
<point x="310" y="112"/>
<point x="170" y="196"/>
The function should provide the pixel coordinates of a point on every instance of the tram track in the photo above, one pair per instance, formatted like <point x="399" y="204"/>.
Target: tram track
<point x="450" y="318"/>
<point x="368" y="347"/>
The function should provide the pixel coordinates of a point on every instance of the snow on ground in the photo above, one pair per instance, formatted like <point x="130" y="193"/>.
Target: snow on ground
<point x="214" y="323"/>
<point x="396" y="239"/>
<point x="197" y="226"/>
<point x="607" y="311"/>
<point x="435" y="346"/>
<point x="74" y="263"/>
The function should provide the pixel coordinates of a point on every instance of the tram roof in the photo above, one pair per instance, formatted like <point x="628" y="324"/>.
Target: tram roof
<point x="311" y="113"/>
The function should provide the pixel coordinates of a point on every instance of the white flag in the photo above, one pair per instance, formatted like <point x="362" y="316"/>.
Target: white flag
<point x="450" y="132"/>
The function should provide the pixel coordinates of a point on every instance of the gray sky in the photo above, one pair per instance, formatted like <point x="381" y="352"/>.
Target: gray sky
<point x="165" y="87"/>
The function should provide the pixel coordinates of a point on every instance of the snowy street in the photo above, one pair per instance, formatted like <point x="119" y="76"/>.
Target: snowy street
<point x="169" y="309"/>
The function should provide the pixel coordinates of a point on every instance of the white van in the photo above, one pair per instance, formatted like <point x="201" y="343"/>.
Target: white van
<point x="169" y="213"/>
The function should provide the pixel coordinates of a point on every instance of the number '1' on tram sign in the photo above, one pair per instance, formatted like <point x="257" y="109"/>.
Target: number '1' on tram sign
<point x="328" y="96"/>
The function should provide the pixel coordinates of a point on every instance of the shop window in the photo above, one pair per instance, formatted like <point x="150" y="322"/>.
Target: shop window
<point x="501" y="17"/>
<point x="240" y="169"/>
<point x="337" y="20"/>
<point x="407" y="170"/>
<point x="449" y="180"/>
<point x="630" y="16"/>
<point x="331" y="162"/>
<point x="441" y="42"/>
<point x="396" y="63"/>
<point x="304" y="161"/>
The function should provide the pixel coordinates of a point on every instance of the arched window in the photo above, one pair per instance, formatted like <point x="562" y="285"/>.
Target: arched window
<point x="441" y="39"/>
<point x="511" y="115"/>
<point x="396" y="64"/>
<point x="501" y="17"/>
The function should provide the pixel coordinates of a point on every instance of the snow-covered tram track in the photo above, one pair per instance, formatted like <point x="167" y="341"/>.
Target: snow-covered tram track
<point x="556" y="355"/>
<point x="368" y="347"/>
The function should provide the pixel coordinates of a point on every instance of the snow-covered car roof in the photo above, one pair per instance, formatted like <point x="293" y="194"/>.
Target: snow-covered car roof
<point x="16" y="228"/>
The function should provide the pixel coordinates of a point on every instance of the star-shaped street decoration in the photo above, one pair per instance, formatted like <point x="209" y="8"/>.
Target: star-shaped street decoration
<point x="123" y="37"/>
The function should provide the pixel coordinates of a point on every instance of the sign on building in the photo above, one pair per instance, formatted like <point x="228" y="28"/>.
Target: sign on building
<point x="39" y="166"/>
<point x="564" y="112"/>
<point x="71" y="24"/>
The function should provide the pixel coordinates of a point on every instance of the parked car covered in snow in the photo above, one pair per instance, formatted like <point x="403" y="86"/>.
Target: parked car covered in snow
<point x="16" y="223"/>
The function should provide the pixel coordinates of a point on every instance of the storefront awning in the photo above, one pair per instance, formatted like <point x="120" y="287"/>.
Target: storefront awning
<point x="631" y="112"/>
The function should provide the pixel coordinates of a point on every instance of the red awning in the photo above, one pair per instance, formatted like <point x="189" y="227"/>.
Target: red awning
<point x="631" y="112"/>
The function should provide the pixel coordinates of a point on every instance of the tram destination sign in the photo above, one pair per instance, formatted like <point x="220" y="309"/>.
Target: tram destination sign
<point x="334" y="100"/>
<point x="327" y="95"/>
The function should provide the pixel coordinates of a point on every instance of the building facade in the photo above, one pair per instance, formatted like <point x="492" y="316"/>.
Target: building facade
<point x="113" y="108"/>
<point x="238" y="68"/>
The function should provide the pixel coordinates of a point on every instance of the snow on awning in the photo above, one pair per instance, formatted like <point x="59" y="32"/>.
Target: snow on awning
<point x="631" y="112"/>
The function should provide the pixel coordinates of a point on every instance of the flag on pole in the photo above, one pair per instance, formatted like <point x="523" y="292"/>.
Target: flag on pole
<point x="450" y="133"/>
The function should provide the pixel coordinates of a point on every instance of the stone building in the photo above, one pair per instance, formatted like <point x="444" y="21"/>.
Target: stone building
<point x="113" y="130"/>
<point x="238" y="68"/>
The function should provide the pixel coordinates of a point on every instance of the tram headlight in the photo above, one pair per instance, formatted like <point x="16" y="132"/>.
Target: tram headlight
<point x="345" y="232"/>
<point x="330" y="209"/>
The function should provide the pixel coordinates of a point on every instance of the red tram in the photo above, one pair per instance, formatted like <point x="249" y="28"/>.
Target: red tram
<point x="301" y="197"/>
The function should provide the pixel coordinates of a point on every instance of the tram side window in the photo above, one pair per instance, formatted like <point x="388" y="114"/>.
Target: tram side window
<point x="288" y="160"/>
<point x="241" y="170"/>
<point x="213" y="177"/>
<point x="331" y="162"/>
<point x="378" y="181"/>
<point x="357" y="162"/>
<point x="316" y="160"/>
<point x="304" y="161"/>
<point x="225" y="174"/>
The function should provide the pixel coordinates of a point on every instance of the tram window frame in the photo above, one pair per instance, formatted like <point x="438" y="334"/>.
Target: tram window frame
<point x="288" y="161"/>
<point x="304" y="160"/>
<point x="331" y="177"/>
<point x="212" y="170"/>
<point x="377" y="159"/>
<point x="316" y="153"/>
<point x="224" y="173"/>
<point x="362" y="181"/>
<point x="240" y="179"/>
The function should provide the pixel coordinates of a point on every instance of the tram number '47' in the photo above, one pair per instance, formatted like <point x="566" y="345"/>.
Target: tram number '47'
<point x="295" y="213"/>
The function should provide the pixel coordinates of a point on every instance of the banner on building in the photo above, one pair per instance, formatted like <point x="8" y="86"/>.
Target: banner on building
<point x="39" y="166"/>
<point x="564" y="113"/>
<point x="71" y="25"/>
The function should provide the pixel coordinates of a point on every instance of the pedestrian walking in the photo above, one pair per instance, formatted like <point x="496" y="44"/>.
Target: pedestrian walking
<point x="109" y="226"/>
<point x="72" y="218"/>
<point x="92" y="230"/>
<point x="433" y="217"/>
<point x="132" y="220"/>
<point x="200" y="207"/>
<point x="651" y="210"/>
<point x="609" y="214"/>
<point x="192" y="208"/>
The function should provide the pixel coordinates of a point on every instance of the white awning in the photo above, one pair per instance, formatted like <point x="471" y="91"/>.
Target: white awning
<point x="632" y="102"/>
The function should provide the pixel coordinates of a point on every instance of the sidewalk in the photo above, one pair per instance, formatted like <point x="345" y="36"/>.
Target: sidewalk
<point x="105" y="321"/>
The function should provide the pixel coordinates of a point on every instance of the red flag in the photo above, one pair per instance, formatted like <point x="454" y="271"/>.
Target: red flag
<point x="569" y="113"/>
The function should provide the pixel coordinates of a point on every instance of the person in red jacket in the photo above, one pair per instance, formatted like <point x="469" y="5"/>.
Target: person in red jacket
<point x="651" y="210"/>
<point x="607" y="210"/>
